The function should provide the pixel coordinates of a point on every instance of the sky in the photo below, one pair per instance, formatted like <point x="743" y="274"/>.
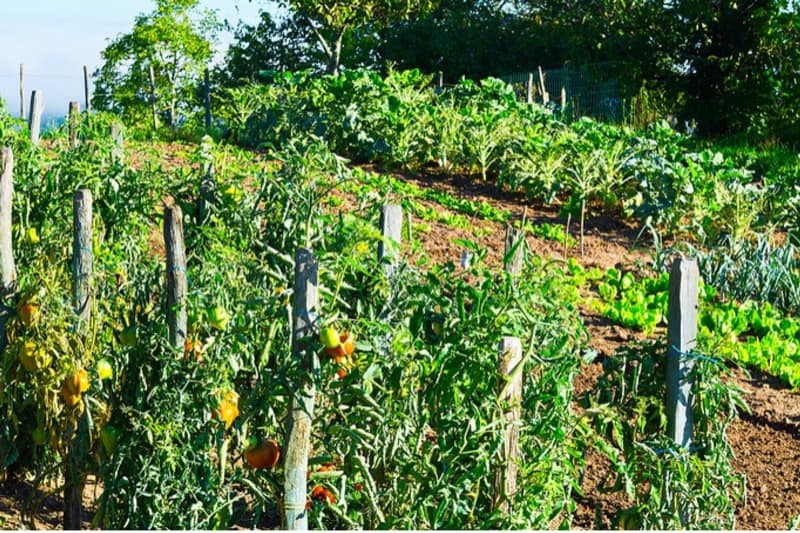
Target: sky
<point x="55" y="38"/>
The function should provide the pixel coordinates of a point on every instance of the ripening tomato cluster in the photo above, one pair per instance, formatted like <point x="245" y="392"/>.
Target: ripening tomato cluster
<point x="340" y="346"/>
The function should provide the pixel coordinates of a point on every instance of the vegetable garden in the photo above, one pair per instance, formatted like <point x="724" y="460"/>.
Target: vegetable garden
<point x="251" y="285"/>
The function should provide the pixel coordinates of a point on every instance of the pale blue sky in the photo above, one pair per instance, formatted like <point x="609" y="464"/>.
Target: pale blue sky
<point x="55" y="38"/>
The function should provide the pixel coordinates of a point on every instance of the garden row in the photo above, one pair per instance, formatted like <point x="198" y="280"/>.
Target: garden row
<point x="410" y="435"/>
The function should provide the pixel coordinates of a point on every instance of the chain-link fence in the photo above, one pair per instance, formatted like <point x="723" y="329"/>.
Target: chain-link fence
<point x="584" y="91"/>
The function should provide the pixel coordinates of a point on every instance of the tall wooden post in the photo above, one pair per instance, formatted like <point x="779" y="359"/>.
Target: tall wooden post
<point x="82" y="253"/>
<point x="545" y="94"/>
<point x="301" y="414"/>
<point x="21" y="92"/>
<point x="82" y="259"/>
<point x="72" y="123"/>
<point x="391" y="230"/>
<point x="8" y="273"/>
<point x="207" y="99"/>
<point x="117" y="152"/>
<point x="177" y="280"/>
<point x="153" y="97"/>
<point x="87" y="101"/>
<point x="682" y="337"/>
<point x="35" y="116"/>
<point x="514" y="250"/>
<point x="529" y="89"/>
<point x="563" y="99"/>
<point x="510" y="399"/>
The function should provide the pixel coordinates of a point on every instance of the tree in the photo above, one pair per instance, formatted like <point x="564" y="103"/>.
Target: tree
<point x="176" y="41"/>
<point x="330" y="20"/>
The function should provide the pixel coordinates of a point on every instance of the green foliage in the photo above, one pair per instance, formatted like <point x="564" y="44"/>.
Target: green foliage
<point x="175" y="40"/>
<point x="670" y="487"/>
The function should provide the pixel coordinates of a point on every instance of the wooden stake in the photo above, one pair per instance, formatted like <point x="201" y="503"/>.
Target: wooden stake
<point x="117" y="152"/>
<point x="682" y="337"/>
<point x="505" y="480"/>
<point x="514" y="252"/>
<point x="35" y="118"/>
<point x="8" y="273"/>
<point x="391" y="230"/>
<point x="72" y="123"/>
<point x="177" y="280"/>
<point x="529" y="89"/>
<point x="545" y="94"/>
<point x="21" y="92"/>
<point x="86" y="89"/>
<point x="82" y="259"/>
<point x="153" y="97"/>
<point x="207" y="99"/>
<point x="298" y="434"/>
<point x="82" y="253"/>
<point x="440" y="82"/>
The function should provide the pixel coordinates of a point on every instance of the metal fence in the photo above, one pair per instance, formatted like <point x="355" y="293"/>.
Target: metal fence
<point x="587" y="93"/>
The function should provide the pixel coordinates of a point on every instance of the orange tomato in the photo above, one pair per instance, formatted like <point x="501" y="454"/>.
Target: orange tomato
<point x="263" y="455"/>
<point x="322" y="494"/>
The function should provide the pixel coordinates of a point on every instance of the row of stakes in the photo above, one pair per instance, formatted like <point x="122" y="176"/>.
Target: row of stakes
<point x="682" y="315"/>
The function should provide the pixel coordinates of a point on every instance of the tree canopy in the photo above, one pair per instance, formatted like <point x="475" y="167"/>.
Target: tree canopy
<point x="175" y="39"/>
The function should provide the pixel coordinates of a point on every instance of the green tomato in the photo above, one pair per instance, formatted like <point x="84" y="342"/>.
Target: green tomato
<point x="109" y="436"/>
<point x="38" y="436"/>
<point x="329" y="337"/>
<point x="218" y="317"/>
<point x="104" y="369"/>
<point x="127" y="337"/>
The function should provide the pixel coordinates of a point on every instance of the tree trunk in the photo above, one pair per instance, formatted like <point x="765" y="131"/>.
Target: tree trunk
<point x="334" y="55"/>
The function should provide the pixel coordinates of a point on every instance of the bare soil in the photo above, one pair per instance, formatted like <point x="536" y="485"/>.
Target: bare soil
<point x="766" y="441"/>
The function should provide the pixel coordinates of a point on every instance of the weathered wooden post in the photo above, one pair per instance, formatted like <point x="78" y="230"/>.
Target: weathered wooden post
<point x="8" y="273"/>
<point x="153" y="97"/>
<point x="72" y="123"/>
<point x="207" y="99"/>
<point x="545" y="94"/>
<point x="117" y="152"/>
<point x="301" y="414"/>
<point x="681" y="337"/>
<point x="513" y="255"/>
<point x="86" y="89"/>
<point x="391" y="230"/>
<point x="440" y="81"/>
<point x="21" y="92"/>
<point x="510" y="400"/>
<point x="35" y="116"/>
<point x="177" y="281"/>
<point x="529" y="89"/>
<point x="82" y="254"/>
<point x="82" y="259"/>
<point x="563" y="99"/>
<point x="466" y="259"/>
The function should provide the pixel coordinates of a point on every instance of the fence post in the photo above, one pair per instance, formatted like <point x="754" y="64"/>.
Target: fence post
<point x="510" y="399"/>
<point x="545" y="94"/>
<point x="72" y="123"/>
<point x="86" y="89"/>
<point x="35" y="116"/>
<point x="563" y="99"/>
<point x="21" y="92"/>
<point x="440" y="81"/>
<point x="513" y="254"/>
<point x="207" y="99"/>
<point x="82" y="253"/>
<point x="8" y="273"/>
<point x="82" y="272"/>
<point x="301" y="414"/>
<point x="177" y="281"/>
<point x="682" y="337"/>
<point x="117" y="152"/>
<point x="153" y="97"/>
<point x="391" y="230"/>
<point x="529" y="89"/>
